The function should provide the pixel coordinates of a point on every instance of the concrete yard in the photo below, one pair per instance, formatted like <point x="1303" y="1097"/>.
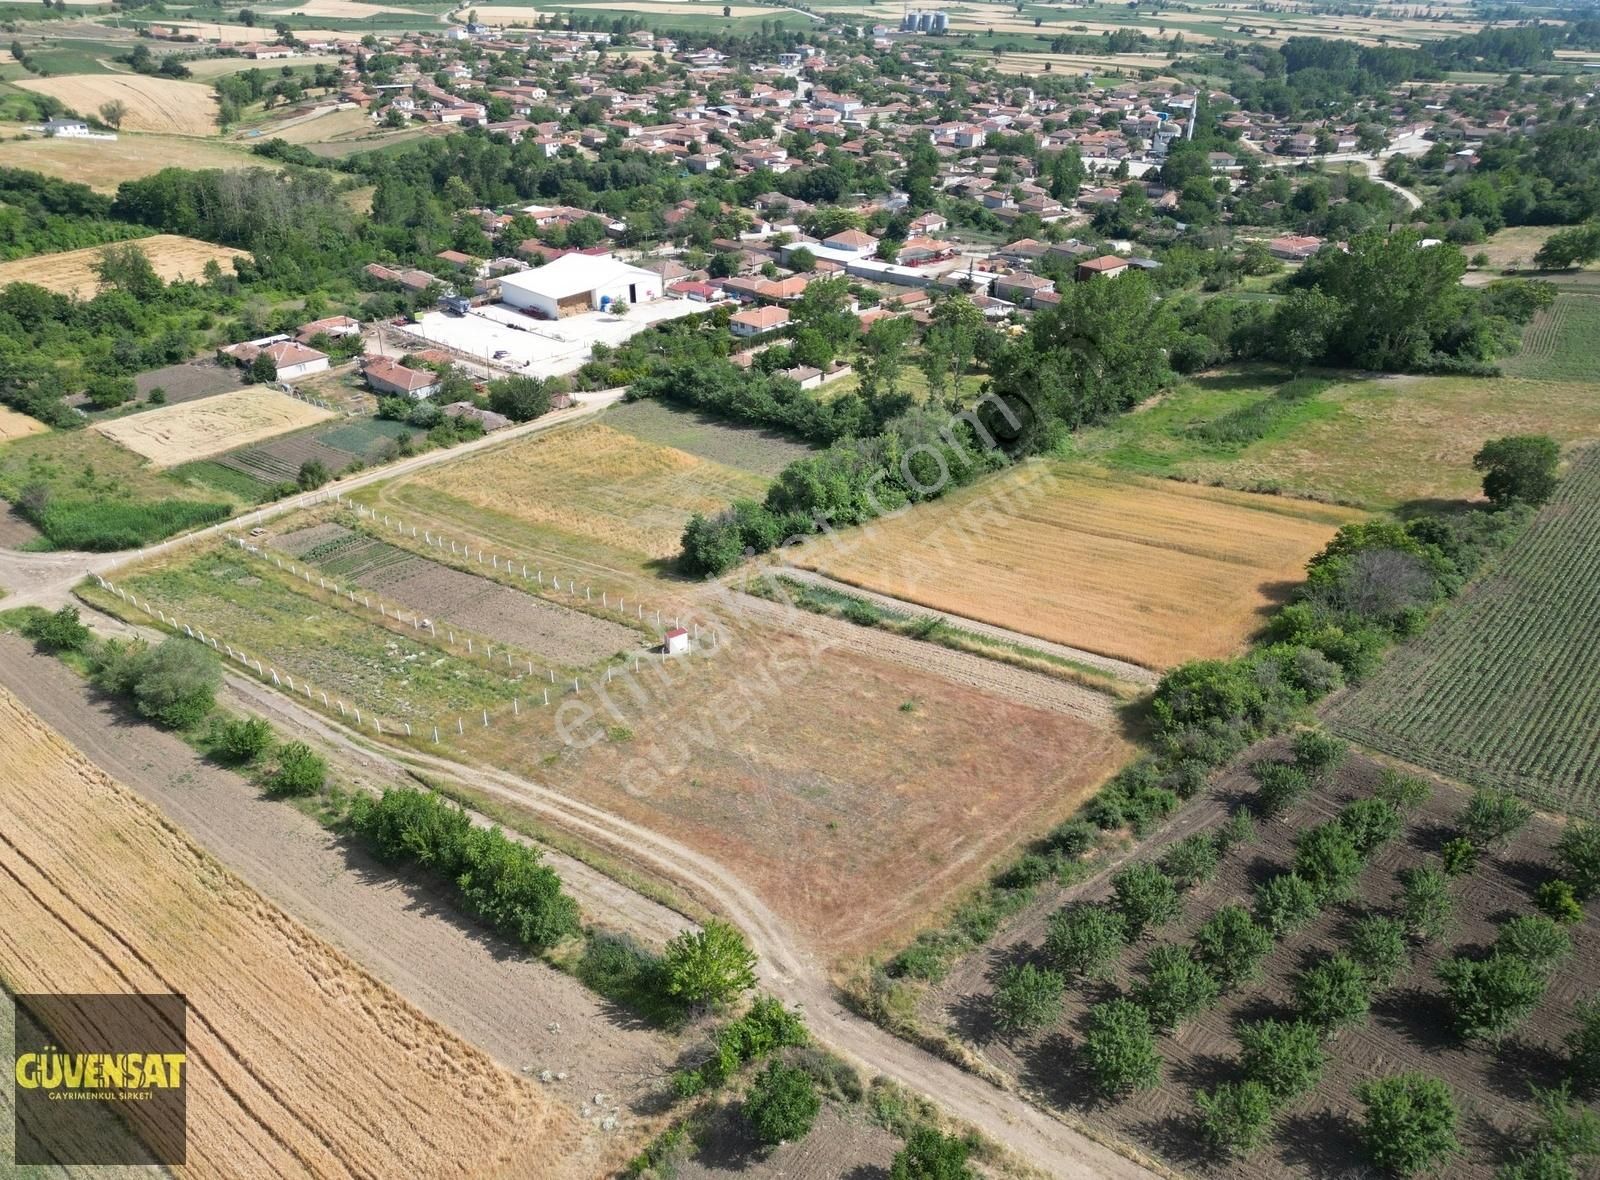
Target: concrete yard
<point x="540" y="348"/>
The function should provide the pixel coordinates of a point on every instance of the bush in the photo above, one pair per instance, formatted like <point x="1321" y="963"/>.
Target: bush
<point x="1027" y="998"/>
<point x="781" y="1105"/>
<point x="1285" y="1057"/>
<point x="1119" y="1048"/>
<point x="1488" y="997"/>
<point x="300" y="771"/>
<point x="1284" y="903"/>
<point x="312" y="475"/>
<point x="1459" y="856"/>
<point x="57" y="632"/>
<point x="1240" y="828"/>
<point x="242" y="739"/>
<point x="1403" y="790"/>
<point x="173" y="683"/>
<point x="1535" y="939"/>
<point x="1583" y="1042"/>
<point x="1282" y="786"/>
<point x="1318" y="754"/>
<point x="1542" y="1162"/>
<point x="1073" y="838"/>
<point x="1333" y="994"/>
<point x="1235" y="1116"/>
<point x="1558" y="899"/>
<point x="930" y="1154"/>
<point x="521" y="399"/>
<point x="1145" y="897"/>
<point x="1425" y="902"/>
<point x="1085" y="939"/>
<point x="617" y="967"/>
<point x="1410" y="1122"/>
<point x="1231" y="946"/>
<point x="1492" y="817"/>
<point x="1578" y="850"/>
<point x="1175" y="988"/>
<point x="1378" y="945"/>
<point x="1326" y="858"/>
<point x="1191" y="860"/>
<point x="1370" y="824"/>
<point x="712" y="965"/>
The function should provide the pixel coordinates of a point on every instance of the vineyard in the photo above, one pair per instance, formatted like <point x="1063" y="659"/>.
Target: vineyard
<point x="1503" y="690"/>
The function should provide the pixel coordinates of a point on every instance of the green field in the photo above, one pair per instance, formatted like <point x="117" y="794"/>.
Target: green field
<point x="1562" y="343"/>
<point x="1383" y="442"/>
<point x="1504" y="689"/>
<point x="761" y="452"/>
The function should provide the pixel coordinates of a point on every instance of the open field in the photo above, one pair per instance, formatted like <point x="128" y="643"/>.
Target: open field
<point x="387" y="669"/>
<point x="555" y="633"/>
<point x="1407" y="1029"/>
<point x="173" y="256"/>
<point x="216" y="67"/>
<point x="328" y="126"/>
<point x="103" y="165"/>
<point x="293" y="1050"/>
<point x="1148" y="571"/>
<point x="210" y="32"/>
<point x="1503" y="689"/>
<point x="208" y="426"/>
<point x="154" y="104"/>
<point x="590" y="484"/>
<point x="15" y="424"/>
<point x="1378" y="443"/>
<point x="504" y="15"/>
<point x="764" y="452"/>
<point x="1559" y="344"/>
<point x="189" y="381"/>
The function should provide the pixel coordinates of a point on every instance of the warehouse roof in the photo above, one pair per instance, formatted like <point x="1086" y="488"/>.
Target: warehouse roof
<point x="573" y="274"/>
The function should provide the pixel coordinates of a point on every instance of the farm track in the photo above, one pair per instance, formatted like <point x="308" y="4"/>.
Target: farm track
<point x="1117" y="668"/>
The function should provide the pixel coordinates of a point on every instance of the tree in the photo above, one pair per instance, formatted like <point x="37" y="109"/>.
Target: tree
<point x="1285" y="1057"/>
<point x="263" y="370"/>
<point x="1302" y="327"/>
<point x="1282" y="786"/>
<point x="1488" y="997"/>
<point x="242" y="739"/>
<point x="1378" y="945"/>
<point x="802" y="260"/>
<point x="522" y="399"/>
<point x="1578" y="850"/>
<point x="1231" y="946"/>
<point x="1119" y="1048"/>
<point x="1569" y="247"/>
<point x="1370" y="824"/>
<point x="1284" y="903"/>
<point x="1459" y="856"/>
<point x="782" y="1104"/>
<point x="1333" y="993"/>
<point x="300" y="771"/>
<point x="174" y="683"/>
<point x="929" y="1154"/>
<point x="1558" y="899"/>
<point x="1145" y="897"/>
<point x="1410" y="1122"/>
<point x="1027" y="998"/>
<point x="58" y="631"/>
<point x="1583" y="1042"/>
<point x="1235" y="1116"/>
<point x="1085" y="939"/>
<point x="313" y="474"/>
<point x="1491" y="817"/>
<point x="1175" y="987"/>
<point x="712" y="545"/>
<point x="1425" y="902"/>
<point x="113" y="112"/>
<point x="1190" y="861"/>
<point x="712" y="965"/>
<point x="1535" y="939"/>
<point x="1326" y="858"/>
<point x="1518" y="468"/>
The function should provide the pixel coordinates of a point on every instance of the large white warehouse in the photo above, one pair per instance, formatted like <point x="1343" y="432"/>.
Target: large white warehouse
<point x="576" y="283"/>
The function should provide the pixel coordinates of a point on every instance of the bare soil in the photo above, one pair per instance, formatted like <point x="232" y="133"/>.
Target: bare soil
<point x="188" y="381"/>
<point x="1408" y="1028"/>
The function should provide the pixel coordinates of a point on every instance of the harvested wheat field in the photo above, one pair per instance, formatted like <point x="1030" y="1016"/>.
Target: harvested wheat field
<point x="299" y="1063"/>
<point x="103" y="165"/>
<point x="595" y="482"/>
<point x="193" y="430"/>
<point x="173" y="256"/>
<point x="501" y="15"/>
<point x="18" y="425"/>
<point x="154" y="104"/>
<point x="1146" y="570"/>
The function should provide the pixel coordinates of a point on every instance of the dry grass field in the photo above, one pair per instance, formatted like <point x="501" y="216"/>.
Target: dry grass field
<point x="503" y="15"/>
<point x="193" y="430"/>
<point x="14" y="424"/>
<point x="300" y="1063"/>
<point x="1145" y="570"/>
<point x="593" y="483"/>
<point x="318" y="128"/>
<point x="210" y="31"/>
<point x="104" y="165"/>
<point x="154" y="104"/>
<point x="173" y="256"/>
<point x="215" y="67"/>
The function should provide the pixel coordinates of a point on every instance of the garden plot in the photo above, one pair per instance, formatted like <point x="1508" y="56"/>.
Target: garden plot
<point x="196" y="430"/>
<point x="549" y="630"/>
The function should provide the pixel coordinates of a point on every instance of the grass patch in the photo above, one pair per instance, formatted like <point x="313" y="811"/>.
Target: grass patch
<point x="1559" y="344"/>
<point x="106" y="526"/>
<point x="245" y="488"/>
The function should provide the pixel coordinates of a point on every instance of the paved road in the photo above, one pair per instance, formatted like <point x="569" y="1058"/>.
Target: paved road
<point x="45" y="579"/>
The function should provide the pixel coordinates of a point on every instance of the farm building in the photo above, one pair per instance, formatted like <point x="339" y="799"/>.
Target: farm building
<point x="333" y="327"/>
<point x="578" y="283"/>
<point x="755" y="320"/>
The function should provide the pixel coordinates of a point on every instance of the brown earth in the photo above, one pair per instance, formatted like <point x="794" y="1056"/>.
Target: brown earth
<point x="1408" y="1028"/>
<point x="294" y="1051"/>
<point x="172" y="256"/>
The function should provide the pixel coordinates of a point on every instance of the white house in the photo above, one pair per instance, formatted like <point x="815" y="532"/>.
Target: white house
<point x="577" y="283"/>
<point x="291" y="358"/>
<point x="69" y="129"/>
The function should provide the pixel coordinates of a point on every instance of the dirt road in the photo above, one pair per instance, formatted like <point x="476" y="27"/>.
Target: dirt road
<point x="520" y="1011"/>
